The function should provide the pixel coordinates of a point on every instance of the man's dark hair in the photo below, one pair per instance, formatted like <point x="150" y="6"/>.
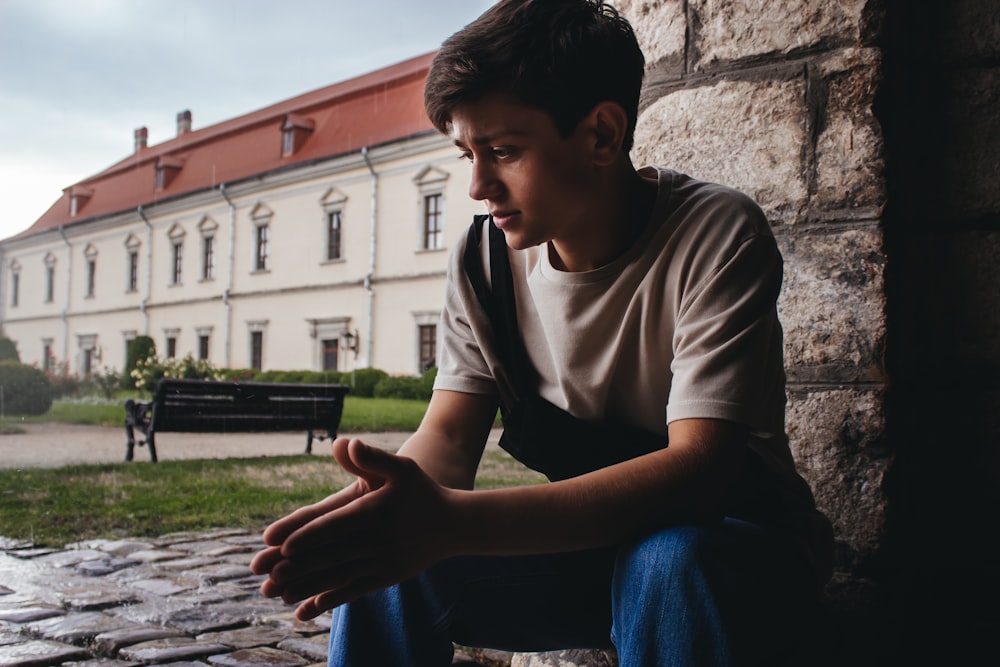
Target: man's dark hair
<point x="560" y="56"/>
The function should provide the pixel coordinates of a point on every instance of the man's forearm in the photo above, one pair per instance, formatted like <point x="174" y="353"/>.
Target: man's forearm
<point x="681" y="484"/>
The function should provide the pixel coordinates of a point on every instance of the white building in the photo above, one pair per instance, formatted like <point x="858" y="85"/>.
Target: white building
<point x="312" y="234"/>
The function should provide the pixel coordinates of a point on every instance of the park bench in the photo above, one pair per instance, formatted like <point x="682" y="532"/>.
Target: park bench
<point x="205" y="406"/>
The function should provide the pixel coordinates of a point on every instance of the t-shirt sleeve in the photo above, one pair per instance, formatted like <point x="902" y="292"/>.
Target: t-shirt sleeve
<point x="727" y="342"/>
<point x="462" y="365"/>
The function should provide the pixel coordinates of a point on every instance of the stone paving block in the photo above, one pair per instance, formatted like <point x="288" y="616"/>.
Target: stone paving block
<point x="8" y="635"/>
<point x="95" y="597"/>
<point x="213" y="548"/>
<point x="258" y="657"/>
<point x="218" y="594"/>
<point x="123" y="547"/>
<point x="70" y="558"/>
<point x="30" y="552"/>
<point x="77" y="627"/>
<point x="213" y="618"/>
<point x="109" y="662"/>
<point x="40" y="654"/>
<point x="312" y="648"/>
<point x="224" y="573"/>
<point x="105" y="565"/>
<point x="154" y="555"/>
<point x="249" y="637"/>
<point x="572" y="658"/>
<point x="188" y="564"/>
<point x="109" y="643"/>
<point x="171" y="650"/>
<point x="286" y="618"/>
<point x="29" y="614"/>
<point x="163" y="587"/>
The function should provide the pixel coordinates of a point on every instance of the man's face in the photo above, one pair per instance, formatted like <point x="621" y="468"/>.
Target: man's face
<point x="533" y="181"/>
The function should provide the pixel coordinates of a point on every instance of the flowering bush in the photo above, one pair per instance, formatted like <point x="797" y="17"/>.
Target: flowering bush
<point x="63" y="382"/>
<point x="149" y="370"/>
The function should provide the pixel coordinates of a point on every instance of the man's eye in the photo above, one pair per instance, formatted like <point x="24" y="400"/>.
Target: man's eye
<point x="502" y="152"/>
<point x="465" y="156"/>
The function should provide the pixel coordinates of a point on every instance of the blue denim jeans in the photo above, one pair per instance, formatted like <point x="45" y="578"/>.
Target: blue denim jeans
<point x="691" y="596"/>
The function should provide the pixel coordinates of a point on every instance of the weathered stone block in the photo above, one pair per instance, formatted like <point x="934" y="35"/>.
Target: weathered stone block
<point x="727" y="30"/>
<point x="832" y="305"/>
<point x="660" y="27"/>
<point x="971" y="165"/>
<point x="748" y="135"/>
<point x="849" y="149"/>
<point x="837" y="438"/>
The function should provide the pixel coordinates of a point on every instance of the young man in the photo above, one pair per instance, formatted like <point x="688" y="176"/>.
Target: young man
<point x="610" y="313"/>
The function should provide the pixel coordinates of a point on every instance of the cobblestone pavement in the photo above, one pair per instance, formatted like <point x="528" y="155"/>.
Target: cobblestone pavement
<point x="183" y="600"/>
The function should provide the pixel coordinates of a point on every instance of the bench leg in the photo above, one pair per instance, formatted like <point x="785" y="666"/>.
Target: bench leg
<point x="309" y="442"/>
<point x="151" y="442"/>
<point x="129" y="441"/>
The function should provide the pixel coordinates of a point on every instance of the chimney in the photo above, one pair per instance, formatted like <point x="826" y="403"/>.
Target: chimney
<point x="183" y="122"/>
<point x="141" y="136"/>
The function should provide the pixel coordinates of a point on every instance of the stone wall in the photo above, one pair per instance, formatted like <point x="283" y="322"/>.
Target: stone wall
<point x="868" y="131"/>
<point x="777" y="100"/>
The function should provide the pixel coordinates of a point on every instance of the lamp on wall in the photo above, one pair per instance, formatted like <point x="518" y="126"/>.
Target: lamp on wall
<point x="352" y="341"/>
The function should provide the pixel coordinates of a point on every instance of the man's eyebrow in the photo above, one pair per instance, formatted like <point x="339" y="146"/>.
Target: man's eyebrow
<point x="486" y="139"/>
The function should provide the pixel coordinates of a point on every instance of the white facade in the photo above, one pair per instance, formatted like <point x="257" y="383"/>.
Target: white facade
<point x="242" y="273"/>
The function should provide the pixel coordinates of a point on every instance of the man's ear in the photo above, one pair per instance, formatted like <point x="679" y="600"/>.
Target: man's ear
<point x="607" y="123"/>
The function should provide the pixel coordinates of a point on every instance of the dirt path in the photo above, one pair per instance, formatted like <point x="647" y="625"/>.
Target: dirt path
<point x="52" y="445"/>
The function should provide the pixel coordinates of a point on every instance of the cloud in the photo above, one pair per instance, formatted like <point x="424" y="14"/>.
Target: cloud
<point x="76" y="78"/>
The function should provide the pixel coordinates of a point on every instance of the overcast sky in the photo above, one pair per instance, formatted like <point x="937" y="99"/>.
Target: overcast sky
<point x="77" y="77"/>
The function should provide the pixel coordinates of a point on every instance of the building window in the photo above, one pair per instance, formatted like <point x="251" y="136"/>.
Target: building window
<point x="208" y="258"/>
<point x="50" y="284"/>
<point x="428" y="346"/>
<point x="48" y="358"/>
<point x="132" y="284"/>
<point x="178" y="263"/>
<point x="203" y="341"/>
<point x="171" y="347"/>
<point x="15" y="288"/>
<point x="256" y="350"/>
<point x="331" y="347"/>
<point x="333" y="229"/>
<point x="294" y="131"/>
<point x="432" y="222"/>
<point x="91" y="277"/>
<point x="261" y="248"/>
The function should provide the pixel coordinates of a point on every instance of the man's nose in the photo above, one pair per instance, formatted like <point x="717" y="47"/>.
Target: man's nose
<point x="484" y="183"/>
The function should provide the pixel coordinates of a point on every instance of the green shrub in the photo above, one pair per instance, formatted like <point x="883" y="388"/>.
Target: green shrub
<point x="267" y="376"/>
<point x="239" y="374"/>
<point x="362" y="381"/>
<point x="398" y="386"/>
<point x="426" y="387"/>
<point x="141" y="347"/>
<point x="26" y="390"/>
<point x="291" y="377"/>
<point x="322" y="377"/>
<point x="8" y="350"/>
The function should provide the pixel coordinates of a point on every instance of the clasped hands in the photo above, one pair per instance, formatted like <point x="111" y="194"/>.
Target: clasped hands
<point x="390" y="524"/>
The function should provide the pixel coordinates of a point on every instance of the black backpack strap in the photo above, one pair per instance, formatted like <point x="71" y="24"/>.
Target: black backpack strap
<point x="498" y="300"/>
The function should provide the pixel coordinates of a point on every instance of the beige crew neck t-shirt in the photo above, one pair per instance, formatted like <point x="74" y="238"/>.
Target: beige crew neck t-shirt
<point x="682" y="325"/>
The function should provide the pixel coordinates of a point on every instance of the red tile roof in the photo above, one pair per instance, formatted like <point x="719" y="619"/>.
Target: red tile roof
<point x="371" y="109"/>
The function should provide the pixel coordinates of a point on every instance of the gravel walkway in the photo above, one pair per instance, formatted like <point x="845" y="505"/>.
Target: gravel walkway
<point x="52" y="445"/>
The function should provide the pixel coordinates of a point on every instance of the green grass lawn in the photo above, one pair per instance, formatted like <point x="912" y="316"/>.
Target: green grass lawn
<point x="58" y="506"/>
<point x="360" y="414"/>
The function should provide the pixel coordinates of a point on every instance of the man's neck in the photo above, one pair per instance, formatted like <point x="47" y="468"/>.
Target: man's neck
<point x="612" y="225"/>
